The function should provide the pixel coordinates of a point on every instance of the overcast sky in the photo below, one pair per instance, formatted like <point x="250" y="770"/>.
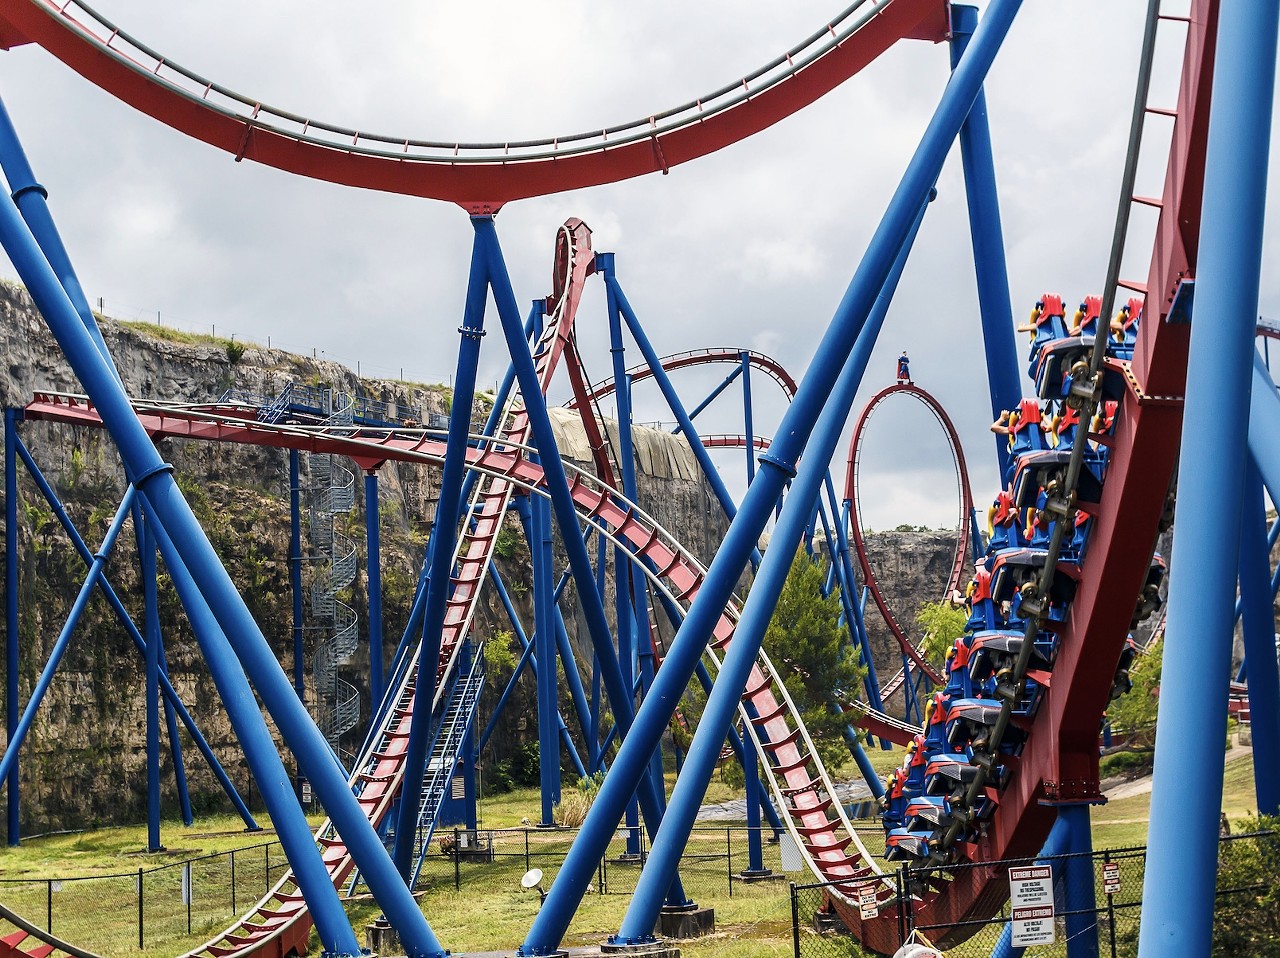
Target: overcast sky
<point x="751" y="247"/>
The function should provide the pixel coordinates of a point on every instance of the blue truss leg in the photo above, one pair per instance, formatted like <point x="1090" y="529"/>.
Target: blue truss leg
<point x="1078" y="879"/>
<point x="444" y="537"/>
<point x="10" y="759"/>
<point x="147" y="554"/>
<point x="1003" y="379"/>
<point x="620" y="310"/>
<point x="13" y="816"/>
<point x="164" y="502"/>
<point x="525" y="514"/>
<point x="527" y="655"/>
<point x="642" y="914"/>
<point x="565" y="514"/>
<point x="175" y="747"/>
<point x="117" y="606"/>
<point x="373" y="539"/>
<point x="593" y="739"/>
<point x="1186" y="797"/>
<point x="849" y="597"/>
<point x="626" y="659"/>
<point x="1260" y="644"/>
<point x="544" y="639"/>
<point x="260" y="751"/>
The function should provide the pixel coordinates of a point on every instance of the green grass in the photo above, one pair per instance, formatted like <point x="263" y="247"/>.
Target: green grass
<point x="490" y="911"/>
<point x="169" y="334"/>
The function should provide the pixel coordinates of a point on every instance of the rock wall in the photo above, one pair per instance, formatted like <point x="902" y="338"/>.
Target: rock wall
<point x="84" y="760"/>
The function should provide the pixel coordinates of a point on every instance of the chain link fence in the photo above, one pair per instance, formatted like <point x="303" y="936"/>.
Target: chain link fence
<point x="1099" y="893"/>
<point x="716" y="860"/>
<point x="109" y="914"/>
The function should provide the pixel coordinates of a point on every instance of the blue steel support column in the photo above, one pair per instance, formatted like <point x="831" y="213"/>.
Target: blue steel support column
<point x="295" y="575"/>
<point x="685" y="651"/>
<point x="147" y="554"/>
<point x="1186" y="797"/>
<point x="628" y="624"/>
<point x="260" y="751"/>
<point x="741" y="656"/>
<point x="1260" y="644"/>
<point x="373" y="540"/>
<point x="567" y="521"/>
<point x="618" y="306"/>
<point x="1078" y="881"/>
<point x="117" y="606"/>
<point x="175" y="746"/>
<point x="755" y="846"/>
<point x="1003" y="379"/>
<point x="626" y="633"/>
<point x="544" y="639"/>
<point x="13" y="833"/>
<point x="444" y="537"/>
<point x="154" y="480"/>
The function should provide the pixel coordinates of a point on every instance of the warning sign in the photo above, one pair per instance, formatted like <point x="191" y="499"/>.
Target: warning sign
<point x="1032" y="926"/>
<point x="1031" y="901"/>
<point x="867" y="907"/>
<point x="1111" y="878"/>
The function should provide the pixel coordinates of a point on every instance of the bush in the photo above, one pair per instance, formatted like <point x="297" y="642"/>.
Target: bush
<point x="1247" y="921"/>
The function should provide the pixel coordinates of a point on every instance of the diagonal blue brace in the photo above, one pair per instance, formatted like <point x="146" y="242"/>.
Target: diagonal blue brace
<point x="444" y="538"/>
<point x="868" y="282"/>
<point x="268" y="770"/>
<point x="1260" y="644"/>
<point x="117" y="606"/>
<point x="1003" y="379"/>
<point x="164" y="502"/>
<point x="23" y="726"/>
<point x="1186" y="797"/>
<point x="743" y="652"/>
<point x="566" y="516"/>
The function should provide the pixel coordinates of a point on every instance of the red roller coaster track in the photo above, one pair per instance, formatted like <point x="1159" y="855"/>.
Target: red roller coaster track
<point x="855" y="511"/>
<point x="481" y="177"/>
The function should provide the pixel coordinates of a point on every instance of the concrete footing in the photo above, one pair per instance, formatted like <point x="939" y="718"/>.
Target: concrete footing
<point x="764" y="874"/>
<point x="381" y="938"/>
<point x="686" y="922"/>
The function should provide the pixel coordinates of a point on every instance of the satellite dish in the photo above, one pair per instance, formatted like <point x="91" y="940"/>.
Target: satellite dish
<point x="531" y="878"/>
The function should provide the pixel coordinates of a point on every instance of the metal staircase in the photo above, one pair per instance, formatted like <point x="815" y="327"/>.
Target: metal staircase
<point x="446" y="752"/>
<point x="337" y="704"/>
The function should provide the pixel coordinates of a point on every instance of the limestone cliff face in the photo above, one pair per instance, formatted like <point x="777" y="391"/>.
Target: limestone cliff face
<point x="84" y="761"/>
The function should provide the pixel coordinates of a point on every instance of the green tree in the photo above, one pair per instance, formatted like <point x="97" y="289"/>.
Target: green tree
<point x="942" y="625"/>
<point x="1133" y="716"/>
<point x="809" y="649"/>
<point x="1247" y="916"/>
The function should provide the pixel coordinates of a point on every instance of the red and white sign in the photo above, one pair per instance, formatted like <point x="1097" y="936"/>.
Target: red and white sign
<point x="1111" y="878"/>
<point x="867" y="908"/>
<point x="1031" y="901"/>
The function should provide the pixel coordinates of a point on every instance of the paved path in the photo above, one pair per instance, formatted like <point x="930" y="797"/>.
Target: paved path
<point x="1140" y="786"/>
<point x="736" y="810"/>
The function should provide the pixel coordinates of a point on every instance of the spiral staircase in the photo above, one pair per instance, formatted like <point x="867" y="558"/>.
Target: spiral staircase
<point x="332" y="493"/>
